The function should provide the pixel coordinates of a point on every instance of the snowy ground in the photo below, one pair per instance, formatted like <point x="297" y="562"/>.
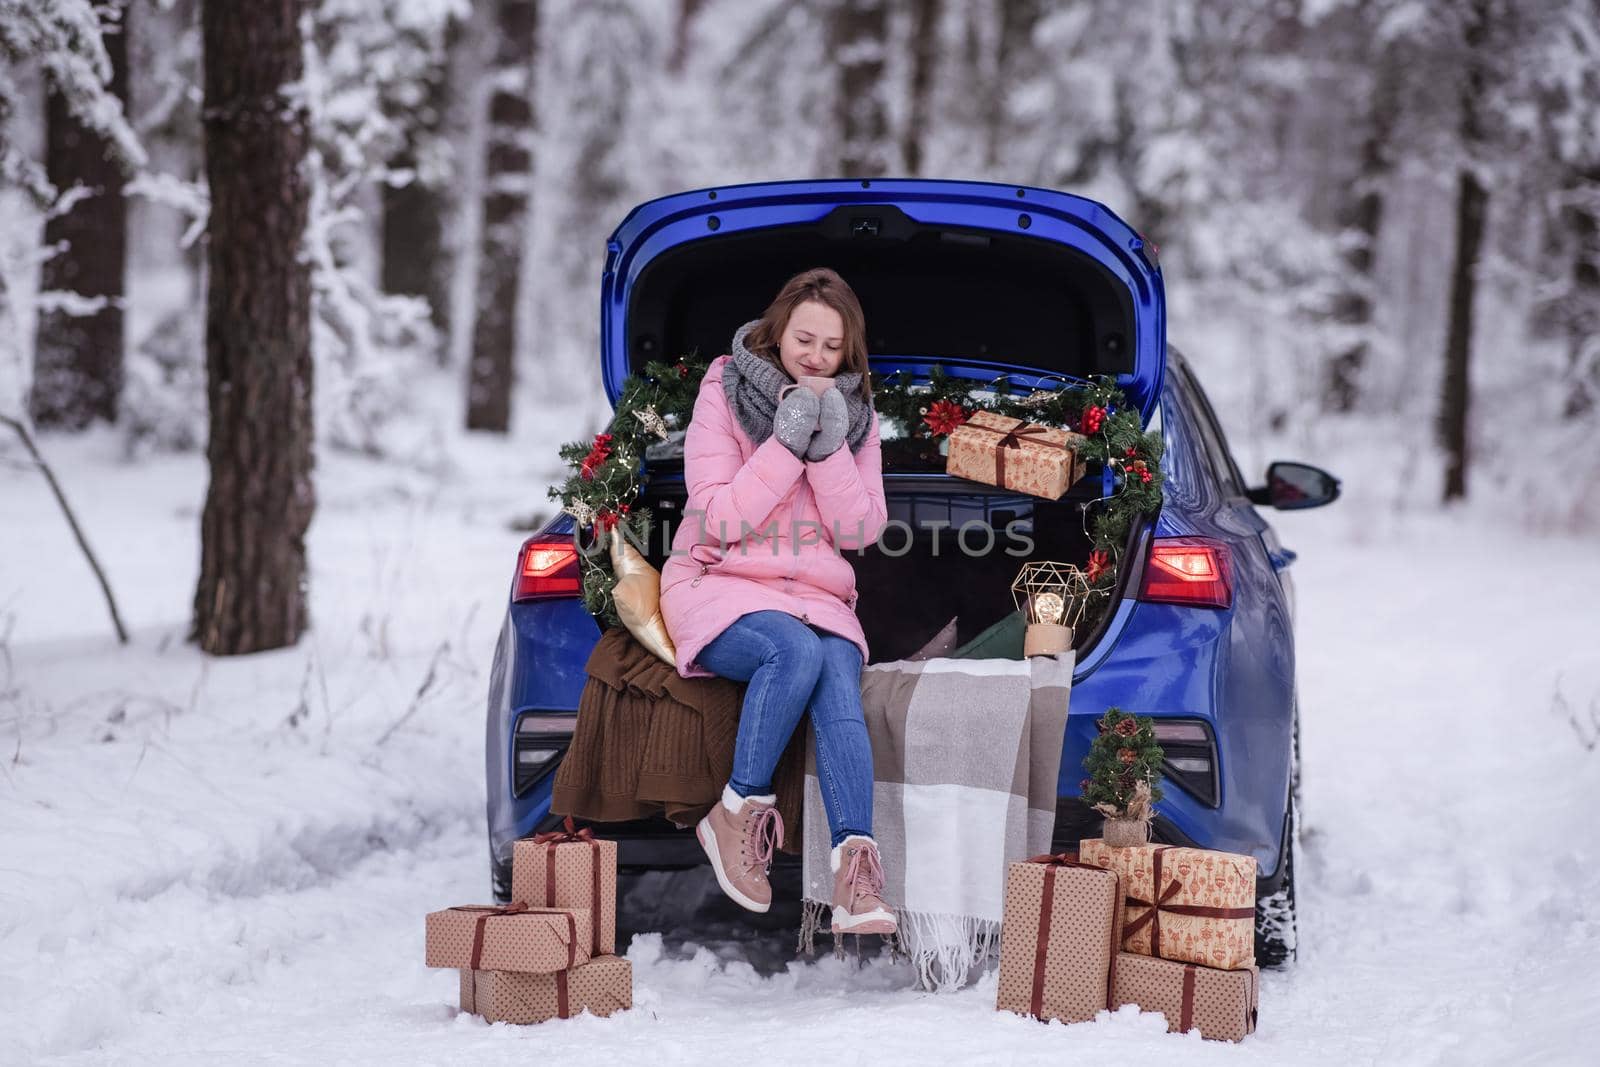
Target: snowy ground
<point x="229" y="860"/>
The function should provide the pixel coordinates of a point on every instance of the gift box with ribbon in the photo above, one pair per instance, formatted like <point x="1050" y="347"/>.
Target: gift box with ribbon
<point x="1016" y="454"/>
<point x="1204" y="902"/>
<point x="601" y="986"/>
<point x="570" y="868"/>
<point x="512" y="938"/>
<point x="1222" y="1004"/>
<point x="1059" y="934"/>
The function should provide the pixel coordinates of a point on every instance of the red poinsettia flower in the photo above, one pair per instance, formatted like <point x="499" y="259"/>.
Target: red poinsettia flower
<point x="944" y="416"/>
<point x="1099" y="563"/>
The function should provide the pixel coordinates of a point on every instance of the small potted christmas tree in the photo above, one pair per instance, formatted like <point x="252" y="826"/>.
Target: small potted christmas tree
<point x="1124" y="768"/>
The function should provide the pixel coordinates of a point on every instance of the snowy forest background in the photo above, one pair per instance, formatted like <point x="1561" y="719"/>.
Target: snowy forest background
<point x="1305" y="166"/>
<point x="1379" y="223"/>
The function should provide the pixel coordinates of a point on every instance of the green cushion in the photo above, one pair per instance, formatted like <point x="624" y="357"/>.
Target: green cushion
<point x="1003" y="640"/>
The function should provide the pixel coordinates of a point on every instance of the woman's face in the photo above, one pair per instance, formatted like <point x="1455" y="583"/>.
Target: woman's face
<point x="813" y="341"/>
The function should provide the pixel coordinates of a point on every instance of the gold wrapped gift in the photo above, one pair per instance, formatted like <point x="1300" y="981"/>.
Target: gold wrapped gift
<point x="1204" y="902"/>
<point x="1015" y="454"/>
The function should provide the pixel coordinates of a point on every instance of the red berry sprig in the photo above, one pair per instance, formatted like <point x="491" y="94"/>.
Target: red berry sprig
<point x="599" y="452"/>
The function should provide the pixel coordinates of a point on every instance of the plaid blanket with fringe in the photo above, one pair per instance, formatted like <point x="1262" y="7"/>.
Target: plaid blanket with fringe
<point x="965" y="755"/>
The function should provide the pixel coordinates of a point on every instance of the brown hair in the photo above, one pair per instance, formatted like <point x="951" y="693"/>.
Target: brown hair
<point x="825" y="287"/>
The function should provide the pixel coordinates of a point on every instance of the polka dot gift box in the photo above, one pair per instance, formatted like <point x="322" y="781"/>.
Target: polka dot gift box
<point x="514" y="938"/>
<point x="570" y="869"/>
<point x="1059" y="937"/>
<point x="600" y="987"/>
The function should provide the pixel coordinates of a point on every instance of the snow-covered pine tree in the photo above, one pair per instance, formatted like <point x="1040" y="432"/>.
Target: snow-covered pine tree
<point x="507" y="176"/>
<point x="63" y="37"/>
<point x="924" y="49"/>
<point x="416" y="192"/>
<point x="600" y="71"/>
<point x="858" y="39"/>
<point x="1365" y="79"/>
<point x="1567" y="84"/>
<point x="78" y="351"/>
<point x="367" y="67"/>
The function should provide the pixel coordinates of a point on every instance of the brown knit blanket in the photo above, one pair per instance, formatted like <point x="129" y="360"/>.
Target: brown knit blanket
<point x="650" y="742"/>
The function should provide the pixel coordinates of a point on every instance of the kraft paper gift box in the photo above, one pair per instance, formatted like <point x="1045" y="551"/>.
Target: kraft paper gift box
<point x="1205" y="902"/>
<point x="570" y="869"/>
<point x="514" y="938"/>
<point x="1058" y="939"/>
<point x="1221" y="1003"/>
<point x="1015" y="454"/>
<point x="600" y="987"/>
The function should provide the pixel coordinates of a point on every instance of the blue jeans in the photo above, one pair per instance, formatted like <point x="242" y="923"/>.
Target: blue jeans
<point x="794" y="668"/>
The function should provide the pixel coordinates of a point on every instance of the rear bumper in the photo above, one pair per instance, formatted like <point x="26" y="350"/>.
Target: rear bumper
<point x="1154" y="659"/>
<point x="658" y="845"/>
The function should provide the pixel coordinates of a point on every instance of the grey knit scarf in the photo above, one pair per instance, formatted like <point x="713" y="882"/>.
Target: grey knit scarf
<point x="752" y="385"/>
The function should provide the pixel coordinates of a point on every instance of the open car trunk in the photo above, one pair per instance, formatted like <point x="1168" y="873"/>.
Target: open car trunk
<point x="919" y="576"/>
<point x="984" y="280"/>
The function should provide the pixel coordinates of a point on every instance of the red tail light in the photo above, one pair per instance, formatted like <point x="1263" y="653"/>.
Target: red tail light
<point x="1188" y="570"/>
<point x="547" y="567"/>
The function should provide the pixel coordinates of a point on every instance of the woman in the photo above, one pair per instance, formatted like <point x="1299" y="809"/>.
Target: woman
<point x="781" y="479"/>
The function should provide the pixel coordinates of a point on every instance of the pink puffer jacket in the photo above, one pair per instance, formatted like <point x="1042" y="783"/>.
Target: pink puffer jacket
<point x="758" y="529"/>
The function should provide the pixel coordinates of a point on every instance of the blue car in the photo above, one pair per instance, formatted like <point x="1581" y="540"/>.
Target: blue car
<point x="983" y="280"/>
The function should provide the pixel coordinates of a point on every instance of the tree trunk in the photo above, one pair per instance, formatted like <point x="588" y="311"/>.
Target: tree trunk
<point x="1583" y="314"/>
<point x="924" y="51"/>
<point x="1472" y="205"/>
<point x="416" y="259"/>
<point x="508" y="179"/>
<point x="251" y="595"/>
<point x="858" y="37"/>
<point x="78" y="358"/>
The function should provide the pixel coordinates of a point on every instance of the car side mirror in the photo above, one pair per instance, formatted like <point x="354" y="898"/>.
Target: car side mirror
<point x="1295" y="486"/>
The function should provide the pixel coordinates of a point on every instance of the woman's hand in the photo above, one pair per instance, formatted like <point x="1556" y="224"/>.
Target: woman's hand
<point x="796" y="419"/>
<point x="835" y="424"/>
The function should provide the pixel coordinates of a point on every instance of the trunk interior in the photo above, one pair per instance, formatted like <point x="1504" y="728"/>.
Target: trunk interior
<point x="919" y="577"/>
<point x="933" y="292"/>
<point x="985" y="298"/>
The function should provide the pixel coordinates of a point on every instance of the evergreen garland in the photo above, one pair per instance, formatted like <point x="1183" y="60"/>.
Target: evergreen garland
<point x="1094" y="407"/>
<point x="602" y="488"/>
<point x="1124" y="755"/>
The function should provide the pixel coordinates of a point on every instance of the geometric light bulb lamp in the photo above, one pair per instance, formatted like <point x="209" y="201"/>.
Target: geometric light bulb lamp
<point x="1053" y="596"/>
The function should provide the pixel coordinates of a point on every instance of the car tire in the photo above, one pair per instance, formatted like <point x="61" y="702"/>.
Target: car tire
<point x="1277" y="926"/>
